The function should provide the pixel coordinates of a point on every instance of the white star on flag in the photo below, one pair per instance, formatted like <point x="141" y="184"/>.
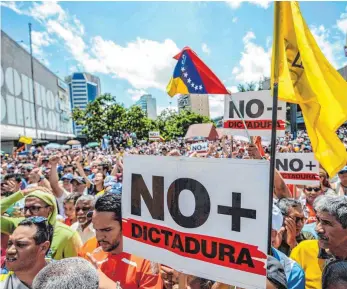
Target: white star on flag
<point x="182" y="69"/>
<point x="189" y="80"/>
<point x="200" y="87"/>
<point x="185" y="74"/>
<point x="192" y="84"/>
<point x="196" y="87"/>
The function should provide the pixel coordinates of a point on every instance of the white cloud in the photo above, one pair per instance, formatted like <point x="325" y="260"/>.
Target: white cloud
<point x="329" y="49"/>
<point x="142" y="62"/>
<point x="342" y="22"/>
<point x="236" y="70"/>
<point x="136" y="93"/>
<point x="205" y="48"/>
<point x="13" y="6"/>
<point x="233" y="89"/>
<point x="254" y="63"/>
<point x="44" y="10"/>
<point x="234" y="4"/>
<point x="234" y="19"/>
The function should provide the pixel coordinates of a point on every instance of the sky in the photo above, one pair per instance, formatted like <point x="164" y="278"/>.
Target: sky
<point x="130" y="45"/>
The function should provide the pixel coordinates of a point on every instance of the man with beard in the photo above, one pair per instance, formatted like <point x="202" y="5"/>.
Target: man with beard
<point x="130" y="271"/>
<point x="84" y="226"/>
<point x="26" y="251"/>
<point x="331" y="227"/>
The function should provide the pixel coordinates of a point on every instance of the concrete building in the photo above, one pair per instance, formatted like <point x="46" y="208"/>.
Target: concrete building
<point x="84" y="87"/>
<point x="149" y="105"/>
<point x="197" y="103"/>
<point x="41" y="112"/>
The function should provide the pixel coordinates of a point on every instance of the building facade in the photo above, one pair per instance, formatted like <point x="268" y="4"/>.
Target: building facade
<point x="149" y="105"/>
<point x="197" y="103"/>
<point x="84" y="87"/>
<point x="42" y="112"/>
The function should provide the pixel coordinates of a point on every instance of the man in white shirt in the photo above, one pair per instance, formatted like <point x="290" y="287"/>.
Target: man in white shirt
<point x="84" y="205"/>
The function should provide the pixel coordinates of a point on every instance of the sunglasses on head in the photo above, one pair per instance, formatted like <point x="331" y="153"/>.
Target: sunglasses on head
<point x="313" y="189"/>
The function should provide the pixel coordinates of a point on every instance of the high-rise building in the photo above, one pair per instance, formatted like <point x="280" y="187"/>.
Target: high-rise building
<point x="84" y="87"/>
<point x="197" y="103"/>
<point x="149" y="105"/>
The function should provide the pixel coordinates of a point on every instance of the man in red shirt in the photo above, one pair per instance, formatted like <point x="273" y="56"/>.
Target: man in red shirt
<point x="129" y="271"/>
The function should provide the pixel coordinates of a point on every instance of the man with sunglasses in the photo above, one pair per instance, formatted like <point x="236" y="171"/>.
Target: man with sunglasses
<point x="40" y="201"/>
<point x="294" y="220"/>
<point x="311" y="193"/>
<point x="25" y="254"/>
<point x="84" y="226"/>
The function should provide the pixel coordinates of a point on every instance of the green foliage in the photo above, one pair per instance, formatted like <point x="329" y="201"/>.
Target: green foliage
<point x="105" y="116"/>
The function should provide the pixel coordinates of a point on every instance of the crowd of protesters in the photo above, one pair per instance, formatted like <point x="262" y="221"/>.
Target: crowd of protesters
<point x="61" y="219"/>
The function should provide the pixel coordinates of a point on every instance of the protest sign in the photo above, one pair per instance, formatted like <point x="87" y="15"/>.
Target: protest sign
<point x="256" y="109"/>
<point x="298" y="169"/>
<point x="76" y="146"/>
<point x="201" y="147"/>
<point x="154" y="135"/>
<point x="205" y="217"/>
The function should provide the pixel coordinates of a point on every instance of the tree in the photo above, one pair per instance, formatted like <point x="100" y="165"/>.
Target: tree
<point x="101" y="116"/>
<point x="137" y="121"/>
<point x="173" y="125"/>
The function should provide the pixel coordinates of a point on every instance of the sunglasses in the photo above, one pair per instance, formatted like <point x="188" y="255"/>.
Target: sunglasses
<point x="313" y="189"/>
<point x="34" y="209"/>
<point x="84" y="209"/>
<point x="298" y="219"/>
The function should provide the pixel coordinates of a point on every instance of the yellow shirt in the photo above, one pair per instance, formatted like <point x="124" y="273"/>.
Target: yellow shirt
<point x="306" y="254"/>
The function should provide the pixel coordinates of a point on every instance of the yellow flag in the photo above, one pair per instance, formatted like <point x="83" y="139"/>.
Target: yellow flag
<point x="26" y="140"/>
<point x="305" y="77"/>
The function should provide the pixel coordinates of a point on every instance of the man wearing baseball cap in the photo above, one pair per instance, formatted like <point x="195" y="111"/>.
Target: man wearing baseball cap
<point x="341" y="186"/>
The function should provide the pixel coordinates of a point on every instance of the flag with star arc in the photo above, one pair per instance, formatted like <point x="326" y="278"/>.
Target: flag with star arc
<point x="192" y="76"/>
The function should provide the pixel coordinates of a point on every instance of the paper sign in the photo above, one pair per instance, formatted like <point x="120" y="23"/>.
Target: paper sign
<point x="298" y="168"/>
<point x="256" y="109"/>
<point x="204" y="217"/>
<point x="200" y="147"/>
<point x="154" y="135"/>
<point x="76" y="146"/>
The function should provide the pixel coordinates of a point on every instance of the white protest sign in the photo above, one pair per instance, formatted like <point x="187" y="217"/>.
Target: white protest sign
<point x="298" y="168"/>
<point x="200" y="147"/>
<point x="205" y="217"/>
<point x="76" y="146"/>
<point x="154" y="135"/>
<point x="256" y="109"/>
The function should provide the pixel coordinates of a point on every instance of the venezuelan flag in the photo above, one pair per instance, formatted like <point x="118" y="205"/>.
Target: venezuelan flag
<point x="192" y="76"/>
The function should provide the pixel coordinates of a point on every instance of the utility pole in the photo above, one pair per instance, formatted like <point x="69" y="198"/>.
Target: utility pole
<point x="32" y="79"/>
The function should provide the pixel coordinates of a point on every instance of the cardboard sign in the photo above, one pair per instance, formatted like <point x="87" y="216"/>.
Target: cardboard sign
<point x="205" y="217"/>
<point x="154" y="135"/>
<point x="256" y="109"/>
<point x="298" y="168"/>
<point x="201" y="147"/>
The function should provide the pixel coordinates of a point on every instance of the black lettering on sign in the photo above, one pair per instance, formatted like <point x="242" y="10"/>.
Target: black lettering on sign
<point x="166" y="234"/>
<point x="192" y="245"/>
<point x="310" y="165"/>
<point x="202" y="203"/>
<point x="136" y="231"/>
<point x="296" y="165"/>
<point x="282" y="166"/>
<point x="245" y="258"/>
<point x="154" y="204"/>
<point x="237" y="212"/>
<point x="259" y="111"/>
<point x="213" y="248"/>
<point x="150" y="235"/>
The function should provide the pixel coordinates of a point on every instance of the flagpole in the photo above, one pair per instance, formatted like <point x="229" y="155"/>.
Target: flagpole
<point x="274" y="117"/>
